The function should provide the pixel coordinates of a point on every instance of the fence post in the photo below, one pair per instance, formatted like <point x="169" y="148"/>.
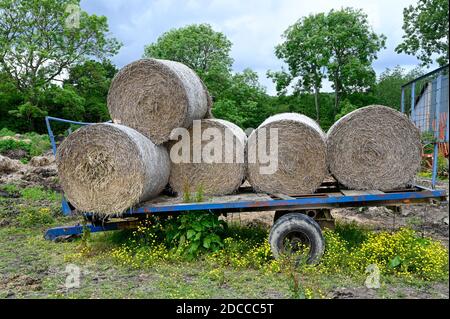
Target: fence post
<point x="402" y="102"/>
<point x="436" y="128"/>
<point x="413" y="97"/>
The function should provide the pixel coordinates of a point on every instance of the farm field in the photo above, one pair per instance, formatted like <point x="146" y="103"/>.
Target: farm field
<point x="31" y="267"/>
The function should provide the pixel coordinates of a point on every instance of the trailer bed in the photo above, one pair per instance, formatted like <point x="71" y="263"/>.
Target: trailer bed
<point x="329" y="195"/>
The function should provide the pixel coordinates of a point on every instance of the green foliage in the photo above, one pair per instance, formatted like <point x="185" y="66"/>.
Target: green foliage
<point x="201" y="48"/>
<point x="29" y="112"/>
<point x="11" y="144"/>
<point x="37" y="193"/>
<point x="91" y="81"/>
<point x="6" y="132"/>
<point x="39" y="31"/>
<point x="401" y="253"/>
<point x="346" y="107"/>
<point x="244" y="102"/>
<point x="39" y="143"/>
<point x="10" y="97"/>
<point x="33" y="144"/>
<point x="10" y="188"/>
<point x="426" y="31"/>
<point x="339" y="46"/>
<point x="349" y="250"/>
<point x="388" y="90"/>
<point x="194" y="233"/>
<point x="442" y="169"/>
<point x="35" y="217"/>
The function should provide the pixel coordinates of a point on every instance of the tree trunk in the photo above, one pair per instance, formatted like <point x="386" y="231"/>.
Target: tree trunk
<point x="336" y="98"/>
<point x="316" y="101"/>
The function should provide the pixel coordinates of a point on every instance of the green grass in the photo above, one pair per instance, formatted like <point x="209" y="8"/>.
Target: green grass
<point x="37" y="193"/>
<point x="10" y="188"/>
<point x="45" y="263"/>
<point x="428" y="174"/>
<point x="32" y="143"/>
<point x="31" y="267"/>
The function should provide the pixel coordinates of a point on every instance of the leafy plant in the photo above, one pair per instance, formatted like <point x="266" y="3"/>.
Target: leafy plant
<point x="194" y="233"/>
<point x="442" y="169"/>
<point x="6" y="132"/>
<point x="34" y="217"/>
<point x="11" y="145"/>
<point x="32" y="144"/>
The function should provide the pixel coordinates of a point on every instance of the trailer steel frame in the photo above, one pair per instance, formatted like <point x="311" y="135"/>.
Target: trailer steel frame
<point x="329" y="195"/>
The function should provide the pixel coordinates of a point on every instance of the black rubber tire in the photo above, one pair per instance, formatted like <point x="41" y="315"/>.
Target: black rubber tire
<point x="297" y="223"/>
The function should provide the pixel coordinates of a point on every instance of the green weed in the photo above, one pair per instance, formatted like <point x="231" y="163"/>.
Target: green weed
<point x="37" y="193"/>
<point x="35" y="217"/>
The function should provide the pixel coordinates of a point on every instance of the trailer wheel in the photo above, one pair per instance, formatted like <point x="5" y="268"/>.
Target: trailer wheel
<point x="295" y="231"/>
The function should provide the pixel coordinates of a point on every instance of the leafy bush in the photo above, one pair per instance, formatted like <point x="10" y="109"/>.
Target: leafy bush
<point x="6" y="132"/>
<point x="11" y="145"/>
<point x="39" y="143"/>
<point x="32" y="143"/>
<point x="33" y="217"/>
<point x="194" y="233"/>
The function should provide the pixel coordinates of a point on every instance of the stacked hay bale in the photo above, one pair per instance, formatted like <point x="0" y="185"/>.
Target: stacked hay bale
<point x="155" y="96"/>
<point x="375" y="147"/>
<point x="219" y="169"/>
<point x="107" y="168"/>
<point x="301" y="155"/>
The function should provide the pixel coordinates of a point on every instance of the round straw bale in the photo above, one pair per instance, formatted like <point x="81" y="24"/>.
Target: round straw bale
<point x="301" y="155"/>
<point x="374" y="147"/>
<point x="107" y="168"/>
<point x="217" y="166"/>
<point x="155" y="96"/>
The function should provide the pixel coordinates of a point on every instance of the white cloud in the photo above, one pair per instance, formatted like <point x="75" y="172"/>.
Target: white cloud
<point x="254" y="27"/>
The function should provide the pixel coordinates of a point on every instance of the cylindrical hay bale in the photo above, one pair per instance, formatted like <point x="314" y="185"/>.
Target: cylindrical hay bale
<point x="300" y="154"/>
<point x="107" y="168"/>
<point x="155" y="96"/>
<point x="209" y="156"/>
<point x="375" y="147"/>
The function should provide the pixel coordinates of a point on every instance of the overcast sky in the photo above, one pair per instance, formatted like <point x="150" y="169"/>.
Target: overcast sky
<point x="253" y="26"/>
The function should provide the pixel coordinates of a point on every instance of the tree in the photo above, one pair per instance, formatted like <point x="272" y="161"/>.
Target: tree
<point x="347" y="107"/>
<point x="426" y="31"/>
<point x="91" y="81"/>
<point x="244" y="102"/>
<point x="29" y="112"/>
<point x="387" y="91"/>
<point x="201" y="48"/>
<point x="304" y="52"/>
<point x="353" y="47"/>
<point x="38" y="42"/>
<point x="10" y="98"/>
<point x="339" y="46"/>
